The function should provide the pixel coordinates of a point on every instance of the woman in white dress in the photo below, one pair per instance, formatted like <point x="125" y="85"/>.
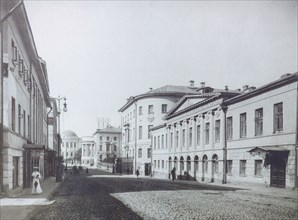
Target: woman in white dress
<point x="36" y="189"/>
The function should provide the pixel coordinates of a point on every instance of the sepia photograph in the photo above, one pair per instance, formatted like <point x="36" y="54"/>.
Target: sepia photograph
<point x="148" y="109"/>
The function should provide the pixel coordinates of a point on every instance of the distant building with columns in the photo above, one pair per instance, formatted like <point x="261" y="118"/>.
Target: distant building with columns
<point x="103" y="146"/>
<point x="70" y="147"/>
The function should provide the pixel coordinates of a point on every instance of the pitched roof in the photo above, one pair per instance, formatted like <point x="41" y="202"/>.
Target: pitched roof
<point x="109" y="129"/>
<point x="199" y="100"/>
<point x="284" y="80"/>
<point x="172" y="90"/>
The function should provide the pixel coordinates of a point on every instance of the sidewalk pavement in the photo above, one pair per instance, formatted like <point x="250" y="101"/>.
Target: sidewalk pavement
<point x="21" y="204"/>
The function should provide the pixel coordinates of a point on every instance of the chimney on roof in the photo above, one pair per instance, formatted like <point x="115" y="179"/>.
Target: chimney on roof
<point x="226" y="88"/>
<point x="245" y="87"/>
<point x="150" y="89"/>
<point x="191" y="83"/>
<point x="202" y="84"/>
<point x="252" y="88"/>
<point x="285" y="75"/>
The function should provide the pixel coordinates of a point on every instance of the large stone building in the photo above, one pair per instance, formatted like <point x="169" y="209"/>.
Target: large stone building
<point x="52" y="139"/>
<point x="232" y="136"/>
<point x="107" y="141"/>
<point x="25" y="96"/>
<point x="70" y="147"/>
<point x="140" y="114"/>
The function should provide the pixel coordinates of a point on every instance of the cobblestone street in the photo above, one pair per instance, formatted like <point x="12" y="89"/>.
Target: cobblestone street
<point x="100" y="195"/>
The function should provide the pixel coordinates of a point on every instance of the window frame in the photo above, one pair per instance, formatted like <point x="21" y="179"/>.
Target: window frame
<point x="278" y="117"/>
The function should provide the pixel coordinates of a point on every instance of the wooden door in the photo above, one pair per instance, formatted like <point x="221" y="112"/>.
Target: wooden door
<point x="278" y="172"/>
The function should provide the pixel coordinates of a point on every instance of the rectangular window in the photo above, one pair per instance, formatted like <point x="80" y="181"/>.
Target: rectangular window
<point x="154" y="142"/>
<point x="108" y="147"/>
<point x="14" y="52"/>
<point x="150" y="109"/>
<point x="149" y="127"/>
<point x="183" y="138"/>
<point x="140" y="132"/>
<point x="278" y="117"/>
<point x="115" y="138"/>
<point x="100" y="138"/>
<point x="242" y="167"/>
<point x="115" y="147"/>
<point x="158" y="142"/>
<point x="140" y="110"/>
<point x="258" y="167"/>
<point x="13" y="114"/>
<point x="21" y="67"/>
<point x="166" y="141"/>
<point x="108" y="138"/>
<point x="177" y="138"/>
<point x="158" y="164"/>
<point x="171" y="140"/>
<point x="190" y="137"/>
<point x="243" y="125"/>
<point x="229" y="128"/>
<point x="229" y="166"/>
<point x="162" y="141"/>
<point x="164" y="108"/>
<point x="198" y="134"/>
<point x="259" y="122"/>
<point x="155" y="163"/>
<point x="19" y="118"/>
<point x="100" y="147"/>
<point x="148" y="152"/>
<point x="140" y="152"/>
<point x="162" y="164"/>
<point x="207" y="133"/>
<point x="217" y="130"/>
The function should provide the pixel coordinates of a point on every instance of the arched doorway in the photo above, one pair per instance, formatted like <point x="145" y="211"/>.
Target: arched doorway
<point x="181" y="166"/>
<point x="175" y="162"/>
<point x="188" y="166"/>
<point x="204" y="167"/>
<point x="196" y="166"/>
<point x="214" y="166"/>
<point x="170" y="167"/>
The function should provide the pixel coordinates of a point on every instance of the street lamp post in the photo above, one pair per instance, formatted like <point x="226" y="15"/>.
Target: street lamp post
<point x="58" y="166"/>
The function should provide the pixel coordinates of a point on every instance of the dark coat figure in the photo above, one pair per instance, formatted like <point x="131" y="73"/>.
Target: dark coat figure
<point x="173" y="173"/>
<point x="127" y="171"/>
<point x="87" y="171"/>
<point x="137" y="172"/>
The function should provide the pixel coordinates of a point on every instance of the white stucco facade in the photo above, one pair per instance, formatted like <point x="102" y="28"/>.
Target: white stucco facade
<point x="249" y="137"/>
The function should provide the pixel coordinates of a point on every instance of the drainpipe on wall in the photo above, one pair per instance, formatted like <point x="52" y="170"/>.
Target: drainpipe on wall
<point x="135" y="102"/>
<point x="48" y="127"/>
<point x="296" y="147"/>
<point x="224" y="179"/>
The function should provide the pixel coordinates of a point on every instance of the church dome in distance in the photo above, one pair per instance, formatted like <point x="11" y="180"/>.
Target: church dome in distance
<point x="69" y="133"/>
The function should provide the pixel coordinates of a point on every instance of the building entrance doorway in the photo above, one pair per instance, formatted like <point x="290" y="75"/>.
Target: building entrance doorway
<point x="278" y="170"/>
<point x="15" y="172"/>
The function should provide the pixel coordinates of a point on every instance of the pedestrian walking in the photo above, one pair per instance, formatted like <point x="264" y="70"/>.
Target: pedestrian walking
<point x="173" y="173"/>
<point x="36" y="189"/>
<point x="127" y="170"/>
<point x="87" y="171"/>
<point x="137" y="173"/>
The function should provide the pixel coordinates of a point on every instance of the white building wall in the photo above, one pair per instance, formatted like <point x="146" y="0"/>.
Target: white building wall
<point x="238" y="147"/>
<point x="144" y="120"/>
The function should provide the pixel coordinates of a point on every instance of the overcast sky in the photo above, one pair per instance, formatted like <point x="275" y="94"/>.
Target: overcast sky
<point x="99" y="53"/>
